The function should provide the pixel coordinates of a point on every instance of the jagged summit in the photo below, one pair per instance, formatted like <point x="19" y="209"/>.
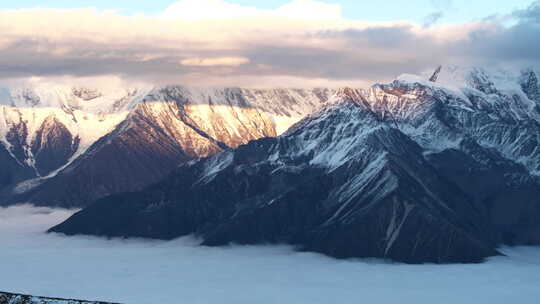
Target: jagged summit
<point x="72" y="98"/>
<point x="348" y="94"/>
<point x="529" y="84"/>
<point x="487" y="80"/>
<point x="86" y="94"/>
<point x="435" y="75"/>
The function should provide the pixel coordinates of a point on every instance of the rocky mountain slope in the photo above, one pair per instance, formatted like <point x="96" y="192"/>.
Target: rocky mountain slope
<point x="416" y="171"/>
<point x="12" y="298"/>
<point x="68" y="146"/>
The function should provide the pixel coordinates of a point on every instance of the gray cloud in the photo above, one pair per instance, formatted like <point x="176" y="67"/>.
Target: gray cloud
<point x="369" y="52"/>
<point x="518" y="43"/>
<point x="530" y="14"/>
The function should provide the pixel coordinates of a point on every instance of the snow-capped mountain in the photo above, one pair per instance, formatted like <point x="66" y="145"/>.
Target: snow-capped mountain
<point x="499" y="110"/>
<point x="42" y="130"/>
<point x="416" y="170"/>
<point x="93" y="143"/>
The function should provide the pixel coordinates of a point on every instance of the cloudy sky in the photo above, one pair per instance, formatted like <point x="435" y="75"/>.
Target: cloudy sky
<point x="260" y="43"/>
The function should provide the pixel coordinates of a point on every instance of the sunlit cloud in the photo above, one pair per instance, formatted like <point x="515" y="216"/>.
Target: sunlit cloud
<point x="217" y="61"/>
<point x="222" y="43"/>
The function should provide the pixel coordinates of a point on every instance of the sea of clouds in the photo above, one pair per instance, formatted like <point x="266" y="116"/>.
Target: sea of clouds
<point x="179" y="271"/>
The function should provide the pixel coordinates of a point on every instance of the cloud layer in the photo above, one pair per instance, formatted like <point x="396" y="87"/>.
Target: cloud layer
<point x="213" y="43"/>
<point x="144" y="271"/>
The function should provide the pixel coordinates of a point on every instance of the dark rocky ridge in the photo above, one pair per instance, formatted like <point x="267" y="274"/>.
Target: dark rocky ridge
<point x="52" y="146"/>
<point x="12" y="171"/>
<point x="15" y="298"/>
<point x="529" y="84"/>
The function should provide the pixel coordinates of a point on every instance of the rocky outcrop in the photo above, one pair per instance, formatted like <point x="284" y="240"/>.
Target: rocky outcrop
<point x="529" y="84"/>
<point x="14" y="298"/>
<point x="12" y="170"/>
<point x="52" y="146"/>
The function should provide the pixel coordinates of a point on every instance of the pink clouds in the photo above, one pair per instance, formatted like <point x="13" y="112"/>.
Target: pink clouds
<point x="216" y="40"/>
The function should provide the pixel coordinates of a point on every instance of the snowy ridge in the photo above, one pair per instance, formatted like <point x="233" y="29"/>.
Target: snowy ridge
<point x="501" y="90"/>
<point x="332" y="135"/>
<point x="89" y="100"/>
<point x="86" y="127"/>
<point x="499" y="109"/>
<point x="86" y="115"/>
<point x="47" y="129"/>
<point x="285" y="106"/>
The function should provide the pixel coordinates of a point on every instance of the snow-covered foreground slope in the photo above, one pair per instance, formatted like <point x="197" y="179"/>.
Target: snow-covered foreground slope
<point x="11" y="298"/>
<point x="101" y="142"/>
<point x="144" y="271"/>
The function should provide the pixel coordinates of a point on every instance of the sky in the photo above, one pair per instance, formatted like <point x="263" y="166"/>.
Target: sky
<point x="260" y="43"/>
<point x="415" y="10"/>
<point x="140" y="271"/>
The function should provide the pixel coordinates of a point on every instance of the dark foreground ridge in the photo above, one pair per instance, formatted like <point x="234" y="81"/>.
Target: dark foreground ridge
<point x="15" y="298"/>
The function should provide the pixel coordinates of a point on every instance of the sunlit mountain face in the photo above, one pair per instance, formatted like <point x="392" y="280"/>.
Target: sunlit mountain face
<point x="96" y="143"/>
<point x="215" y="143"/>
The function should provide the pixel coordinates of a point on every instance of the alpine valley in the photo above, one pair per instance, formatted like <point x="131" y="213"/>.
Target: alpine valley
<point x="440" y="168"/>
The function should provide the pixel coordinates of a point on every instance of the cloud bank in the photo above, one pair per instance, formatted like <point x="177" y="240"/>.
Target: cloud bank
<point x="214" y="43"/>
<point x="143" y="271"/>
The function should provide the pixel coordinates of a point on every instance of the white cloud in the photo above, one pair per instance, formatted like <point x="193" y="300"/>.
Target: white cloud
<point x="216" y="61"/>
<point x="144" y="271"/>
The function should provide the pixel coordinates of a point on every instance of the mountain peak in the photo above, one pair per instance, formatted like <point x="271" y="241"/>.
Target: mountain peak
<point x="529" y="84"/>
<point x="347" y="95"/>
<point x="86" y="93"/>
<point x="435" y="75"/>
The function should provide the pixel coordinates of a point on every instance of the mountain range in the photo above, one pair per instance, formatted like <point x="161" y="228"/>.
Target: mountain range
<point x="439" y="168"/>
<point x="67" y="146"/>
